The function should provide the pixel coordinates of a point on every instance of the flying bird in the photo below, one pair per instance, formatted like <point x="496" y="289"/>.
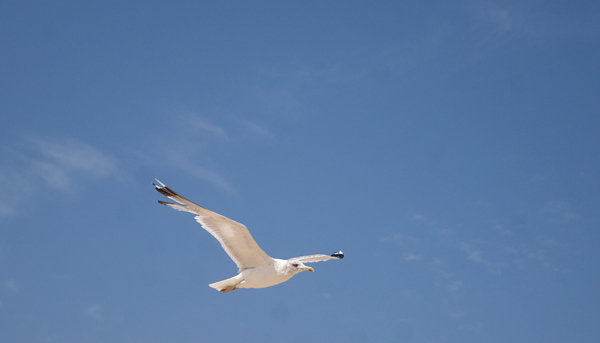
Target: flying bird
<point x="256" y="268"/>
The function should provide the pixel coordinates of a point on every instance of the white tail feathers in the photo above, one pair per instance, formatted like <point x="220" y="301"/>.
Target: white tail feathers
<point x="227" y="285"/>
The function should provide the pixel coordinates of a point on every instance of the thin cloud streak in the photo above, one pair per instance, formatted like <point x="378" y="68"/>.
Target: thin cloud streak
<point x="411" y="257"/>
<point x="6" y="211"/>
<point x="43" y="163"/>
<point x="94" y="311"/>
<point x="11" y="285"/>
<point x="255" y="129"/>
<point x="191" y="149"/>
<point x="472" y="255"/>
<point x="203" y="125"/>
<point x="72" y="155"/>
<point x="454" y="286"/>
<point x="209" y="176"/>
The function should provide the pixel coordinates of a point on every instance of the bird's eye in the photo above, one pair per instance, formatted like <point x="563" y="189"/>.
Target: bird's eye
<point x="295" y="264"/>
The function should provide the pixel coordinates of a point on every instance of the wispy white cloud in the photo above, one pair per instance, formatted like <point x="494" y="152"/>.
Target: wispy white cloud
<point x="297" y="73"/>
<point x="94" y="311"/>
<point x="59" y="163"/>
<point x="456" y="315"/>
<point x="53" y="175"/>
<point x="401" y="239"/>
<point x="203" y="125"/>
<point x="276" y="101"/>
<point x="502" y="19"/>
<point x="558" y="210"/>
<point x="16" y="187"/>
<point x="97" y="312"/>
<point x="189" y="143"/>
<point x="397" y="237"/>
<point x="72" y="155"/>
<point x="35" y="163"/>
<point x="188" y="163"/>
<point x="476" y="256"/>
<point x="210" y="176"/>
<point x="506" y="19"/>
<point x="411" y="257"/>
<point x="440" y="267"/>
<point x="545" y="240"/>
<point x="454" y="286"/>
<point x="255" y="129"/>
<point x="473" y="255"/>
<point x="477" y="328"/>
<point x="502" y="230"/>
<point x="529" y="19"/>
<point x="419" y="217"/>
<point x="5" y="210"/>
<point x="11" y="285"/>
<point x="438" y="262"/>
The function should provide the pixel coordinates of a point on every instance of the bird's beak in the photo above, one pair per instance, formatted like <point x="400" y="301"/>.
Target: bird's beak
<point x="309" y="269"/>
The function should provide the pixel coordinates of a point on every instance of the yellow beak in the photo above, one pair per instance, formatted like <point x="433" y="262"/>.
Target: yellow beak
<point x="309" y="269"/>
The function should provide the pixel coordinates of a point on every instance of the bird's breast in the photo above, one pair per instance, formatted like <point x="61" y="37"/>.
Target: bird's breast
<point x="262" y="276"/>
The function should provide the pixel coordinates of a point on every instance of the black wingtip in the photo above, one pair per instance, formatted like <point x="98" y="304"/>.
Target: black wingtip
<point x="164" y="190"/>
<point x="338" y="254"/>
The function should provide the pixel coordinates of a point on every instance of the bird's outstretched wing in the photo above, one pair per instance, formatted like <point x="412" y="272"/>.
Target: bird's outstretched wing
<point x="233" y="236"/>
<point x="319" y="257"/>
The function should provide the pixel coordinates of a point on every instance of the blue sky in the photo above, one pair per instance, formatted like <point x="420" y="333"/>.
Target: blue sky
<point x="450" y="149"/>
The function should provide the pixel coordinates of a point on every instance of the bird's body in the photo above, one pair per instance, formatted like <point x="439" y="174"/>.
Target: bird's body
<point x="256" y="268"/>
<point x="258" y="277"/>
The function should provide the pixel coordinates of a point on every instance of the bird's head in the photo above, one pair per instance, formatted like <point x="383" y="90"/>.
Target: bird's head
<point x="295" y="266"/>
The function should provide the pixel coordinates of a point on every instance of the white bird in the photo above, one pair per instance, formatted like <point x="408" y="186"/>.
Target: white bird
<point x="256" y="268"/>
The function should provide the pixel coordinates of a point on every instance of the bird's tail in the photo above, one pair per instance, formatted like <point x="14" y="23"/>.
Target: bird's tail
<point x="227" y="285"/>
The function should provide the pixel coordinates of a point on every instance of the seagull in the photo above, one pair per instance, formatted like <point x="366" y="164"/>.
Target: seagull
<point x="256" y="268"/>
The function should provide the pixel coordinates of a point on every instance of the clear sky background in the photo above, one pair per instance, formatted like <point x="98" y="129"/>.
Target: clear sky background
<point x="450" y="148"/>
